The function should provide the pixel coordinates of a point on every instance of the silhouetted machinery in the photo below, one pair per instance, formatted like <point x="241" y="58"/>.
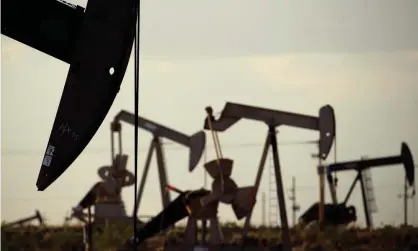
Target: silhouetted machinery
<point x="341" y="213"/>
<point x="225" y="190"/>
<point x="202" y="204"/>
<point x="232" y="113"/>
<point x="335" y="214"/>
<point x="195" y="143"/>
<point x="50" y="26"/>
<point x="186" y="204"/>
<point x="114" y="177"/>
<point x="36" y="216"/>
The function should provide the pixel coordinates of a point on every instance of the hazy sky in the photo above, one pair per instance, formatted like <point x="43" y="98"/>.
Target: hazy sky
<point x="359" y="56"/>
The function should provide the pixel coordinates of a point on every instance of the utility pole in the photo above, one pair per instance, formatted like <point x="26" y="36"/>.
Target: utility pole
<point x="405" y="202"/>
<point x="405" y="196"/>
<point x="205" y="184"/>
<point x="321" y="174"/>
<point x="413" y="205"/>
<point x="292" y="197"/>
<point x="263" y="209"/>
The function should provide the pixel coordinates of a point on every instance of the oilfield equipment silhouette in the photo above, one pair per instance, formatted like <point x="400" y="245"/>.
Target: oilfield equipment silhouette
<point x="117" y="176"/>
<point x="225" y="190"/>
<point x="105" y="195"/>
<point x="232" y="113"/>
<point x="340" y="213"/>
<point x="203" y="204"/>
<point x="19" y="223"/>
<point x="97" y="45"/>
<point x="195" y="143"/>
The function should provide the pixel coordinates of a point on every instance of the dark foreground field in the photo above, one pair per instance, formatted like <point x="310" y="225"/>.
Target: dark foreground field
<point x="71" y="238"/>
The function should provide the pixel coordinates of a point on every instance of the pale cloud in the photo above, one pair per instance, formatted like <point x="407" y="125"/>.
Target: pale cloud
<point x="338" y="74"/>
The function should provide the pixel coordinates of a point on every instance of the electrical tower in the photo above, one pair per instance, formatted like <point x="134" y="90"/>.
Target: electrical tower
<point x="406" y="196"/>
<point x="292" y="198"/>
<point x="273" y="209"/>
<point x="369" y="194"/>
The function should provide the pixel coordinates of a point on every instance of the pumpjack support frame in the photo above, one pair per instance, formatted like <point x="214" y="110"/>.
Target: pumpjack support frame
<point x="196" y="144"/>
<point x="96" y="41"/>
<point x="404" y="158"/>
<point x="50" y="26"/>
<point x="324" y="123"/>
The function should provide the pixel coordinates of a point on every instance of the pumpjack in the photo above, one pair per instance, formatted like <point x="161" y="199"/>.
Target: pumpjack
<point x="324" y="123"/>
<point x="118" y="175"/>
<point x="36" y="216"/>
<point x="196" y="204"/>
<point x="96" y="42"/>
<point x="341" y="213"/>
<point x="195" y="143"/>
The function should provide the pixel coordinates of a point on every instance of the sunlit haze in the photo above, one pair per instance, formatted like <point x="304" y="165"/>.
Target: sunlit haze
<point x="359" y="56"/>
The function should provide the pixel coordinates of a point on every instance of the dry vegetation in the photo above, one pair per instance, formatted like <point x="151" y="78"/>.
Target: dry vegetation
<point x="71" y="238"/>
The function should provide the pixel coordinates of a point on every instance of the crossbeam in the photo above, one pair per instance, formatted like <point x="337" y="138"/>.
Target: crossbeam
<point x="324" y="123"/>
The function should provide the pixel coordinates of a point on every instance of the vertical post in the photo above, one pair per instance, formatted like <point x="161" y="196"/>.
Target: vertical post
<point x="90" y="228"/>
<point x="332" y="179"/>
<point x="112" y="143"/>
<point x="321" y="176"/>
<point x="293" y="198"/>
<point x="405" y="201"/>
<point x="331" y="185"/>
<point x="321" y="191"/>
<point x="120" y="139"/>
<point x="205" y="181"/>
<point x="414" y="222"/>
<point x="295" y="206"/>
<point x="365" y="202"/>
<point x="115" y="128"/>
<point x="205" y="175"/>
<point x="413" y="202"/>
<point x="86" y="237"/>
<point x="88" y="232"/>
<point x="263" y="209"/>
<point x="204" y="231"/>
<point x="280" y="193"/>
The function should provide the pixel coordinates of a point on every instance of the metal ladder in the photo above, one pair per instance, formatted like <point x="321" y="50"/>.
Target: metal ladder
<point x="273" y="207"/>
<point x="369" y="192"/>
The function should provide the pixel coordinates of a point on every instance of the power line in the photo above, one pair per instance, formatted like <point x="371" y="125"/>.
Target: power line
<point x="168" y="145"/>
<point x="65" y="197"/>
<point x="40" y="199"/>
